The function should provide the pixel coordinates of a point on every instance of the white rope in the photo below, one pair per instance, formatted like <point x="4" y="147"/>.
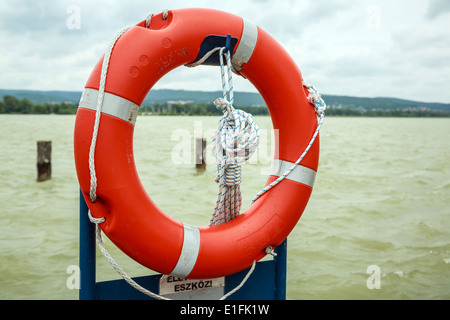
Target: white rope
<point x="229" y="81"/>
<point x="93" y="182"/>
<point x="320" y="106"/>
<point x="228" y="154"/>
<point x="242" y="282"/>
<point x="269" y="250"/>
<point x="203" y="59"/>
<point x="315" y="99"/>
<point x="130" y="281"/>
<point x="101" y="95"/>
<point x="230" y="66"/>
<point x="235" y="141"/>
<point x="148" y="20"/>
<point x="123" y="274"/>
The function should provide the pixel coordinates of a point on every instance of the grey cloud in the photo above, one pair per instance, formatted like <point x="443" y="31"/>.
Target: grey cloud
<point x="437" y="8"/>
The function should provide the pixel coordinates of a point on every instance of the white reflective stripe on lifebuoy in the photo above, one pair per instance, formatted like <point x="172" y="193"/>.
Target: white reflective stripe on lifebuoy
<point x="189" y="252"/>
<point x="113" y="105"/>
<point x="300" y="173"/>
<point x="246" y="46"/>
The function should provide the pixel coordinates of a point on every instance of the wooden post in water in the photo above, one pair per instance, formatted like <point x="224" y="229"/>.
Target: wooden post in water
<point x="44" y="160"/>
<point x="200" y="146"/>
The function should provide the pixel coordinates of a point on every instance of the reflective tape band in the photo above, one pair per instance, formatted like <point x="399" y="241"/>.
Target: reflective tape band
<point x="113" y="105"/>
<point x="246" y="46"/>
<point x="300" y="173"/>
<point x="189" y="252"/>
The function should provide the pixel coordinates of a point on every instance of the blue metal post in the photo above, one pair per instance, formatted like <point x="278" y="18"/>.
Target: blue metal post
<point x="280" y="271"/>
<point x="87" y="254"/>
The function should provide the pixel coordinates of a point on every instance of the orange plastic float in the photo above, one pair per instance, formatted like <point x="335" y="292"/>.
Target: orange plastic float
<point x="133" y="222"/>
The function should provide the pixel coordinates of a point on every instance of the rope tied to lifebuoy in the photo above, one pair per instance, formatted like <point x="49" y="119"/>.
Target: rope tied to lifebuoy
<point x="238" y="132"/>
<point x="93" y="180"/>
<point x="315" y="99"/>
<point x="235" y="141"/>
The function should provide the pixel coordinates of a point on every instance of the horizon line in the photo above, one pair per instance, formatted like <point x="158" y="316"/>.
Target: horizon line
<point x="238" y="91"/>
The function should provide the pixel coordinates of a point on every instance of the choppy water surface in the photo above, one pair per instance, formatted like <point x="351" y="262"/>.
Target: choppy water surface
<point x="381" y="200"/>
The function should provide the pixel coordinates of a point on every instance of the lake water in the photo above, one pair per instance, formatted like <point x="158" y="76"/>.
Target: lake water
<point x="378" y="217"/>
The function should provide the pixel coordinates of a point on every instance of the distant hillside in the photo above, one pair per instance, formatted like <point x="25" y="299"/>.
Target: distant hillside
<point x="241" y="98"/>
<point x="381" y="103"/>
<point x="155" y="96"/>
<point x="43" y="97"/>
<point x="165" y="95"/>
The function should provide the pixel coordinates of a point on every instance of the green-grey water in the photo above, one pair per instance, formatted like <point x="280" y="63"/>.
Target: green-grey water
<point x="381" y="200"/>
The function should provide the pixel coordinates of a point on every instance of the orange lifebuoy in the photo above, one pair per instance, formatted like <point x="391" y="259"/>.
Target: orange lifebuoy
<point x="133" y="222"/>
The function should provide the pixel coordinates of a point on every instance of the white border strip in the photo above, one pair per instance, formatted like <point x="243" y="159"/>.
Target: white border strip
<point x="113" y="105"/>
<point x="189" y="252"/>
<point x="300" y="174"/>
<point x="246" y="46"/>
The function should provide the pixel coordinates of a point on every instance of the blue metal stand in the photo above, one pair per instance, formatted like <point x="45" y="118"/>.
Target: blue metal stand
<point x="267" y="282"/>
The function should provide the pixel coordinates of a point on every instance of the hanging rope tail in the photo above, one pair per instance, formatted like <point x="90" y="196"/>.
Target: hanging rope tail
<point x="234" y="142"/>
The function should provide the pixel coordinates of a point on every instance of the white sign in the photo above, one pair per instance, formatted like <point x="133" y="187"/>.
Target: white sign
<point x="170" y="284"/>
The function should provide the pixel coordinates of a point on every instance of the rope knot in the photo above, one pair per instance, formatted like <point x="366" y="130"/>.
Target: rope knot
<point x="223" y="104"/>
<point x="315" y="99"/>
<point x="235" y="141"/>
<point x="236" y="137"/>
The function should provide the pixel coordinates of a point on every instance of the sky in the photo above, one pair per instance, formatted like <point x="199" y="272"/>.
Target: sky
<point x="366" y="48"/>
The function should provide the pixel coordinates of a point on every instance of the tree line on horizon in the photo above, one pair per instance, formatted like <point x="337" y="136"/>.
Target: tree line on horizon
<point x="11" y="105"/>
